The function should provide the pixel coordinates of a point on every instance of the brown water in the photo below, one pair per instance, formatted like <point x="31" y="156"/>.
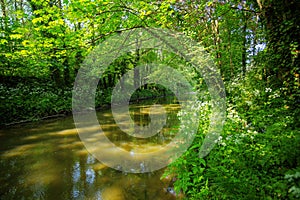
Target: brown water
<point x="47" y="160"/>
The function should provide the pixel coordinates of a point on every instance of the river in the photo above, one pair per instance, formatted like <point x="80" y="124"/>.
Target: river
<point x="47" y="160"/>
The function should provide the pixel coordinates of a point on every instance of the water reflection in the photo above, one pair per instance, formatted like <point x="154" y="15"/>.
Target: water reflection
<point x="47" y="160"/>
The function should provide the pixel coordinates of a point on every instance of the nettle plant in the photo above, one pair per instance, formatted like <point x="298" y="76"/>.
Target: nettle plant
<point x="243" y="159"/>
<point x="294" y="180"/>
<point x="189" y="168"/>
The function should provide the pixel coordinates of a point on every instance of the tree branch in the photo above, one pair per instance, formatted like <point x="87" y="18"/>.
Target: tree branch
<point x="116" y="31"/>
<point x="245" y="10"/>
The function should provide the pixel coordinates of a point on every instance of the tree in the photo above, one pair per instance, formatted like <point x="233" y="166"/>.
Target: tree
<point x="283" y="34"/>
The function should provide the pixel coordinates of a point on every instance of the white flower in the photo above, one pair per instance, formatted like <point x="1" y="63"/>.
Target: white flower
<point x="229" y="137"/>
<point x="268" y="90"/>
<point x="223" y="144"/>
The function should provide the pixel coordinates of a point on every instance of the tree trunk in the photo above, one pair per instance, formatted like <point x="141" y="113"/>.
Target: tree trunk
<point x="136" y="70"/>
<point x="4" y="15"/>
<point x="244" y="51"/>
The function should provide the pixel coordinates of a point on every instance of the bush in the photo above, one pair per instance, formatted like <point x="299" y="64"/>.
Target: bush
<point x="32" y="102"/>
<point x="257" y="160"/>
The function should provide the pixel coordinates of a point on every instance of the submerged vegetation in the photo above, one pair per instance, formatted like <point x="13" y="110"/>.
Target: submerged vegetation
<point x="255" y="46"/>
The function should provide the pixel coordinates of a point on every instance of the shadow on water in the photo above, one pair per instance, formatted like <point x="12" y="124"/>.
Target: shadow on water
<point x="47" y="160"/>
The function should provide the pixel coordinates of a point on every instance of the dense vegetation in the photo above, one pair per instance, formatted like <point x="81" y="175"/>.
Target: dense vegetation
<point x="255" y="45"/>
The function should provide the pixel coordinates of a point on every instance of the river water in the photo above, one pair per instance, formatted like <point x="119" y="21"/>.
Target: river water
<point x="47" y="160"/>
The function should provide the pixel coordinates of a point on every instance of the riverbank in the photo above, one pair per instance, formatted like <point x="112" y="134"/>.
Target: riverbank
<point x="34" y="100"/>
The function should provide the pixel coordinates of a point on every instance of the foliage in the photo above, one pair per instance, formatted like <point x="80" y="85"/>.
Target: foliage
<point x="255" y="45"/>
<point x="32" y="101"/>
<point x="255" y="155"/>
<point x="258" y="154"/>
